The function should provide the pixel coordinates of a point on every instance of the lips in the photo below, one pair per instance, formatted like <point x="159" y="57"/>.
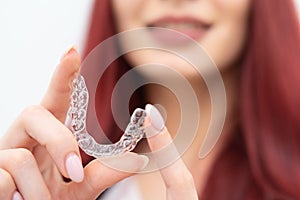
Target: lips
<point x="189" y="26"/>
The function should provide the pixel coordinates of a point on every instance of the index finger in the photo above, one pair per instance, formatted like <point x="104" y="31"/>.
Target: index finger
<point x="177" y="178"/>
<point x="56" y="99"/>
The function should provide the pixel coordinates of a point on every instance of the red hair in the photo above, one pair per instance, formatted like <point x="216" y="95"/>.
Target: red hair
<point x="263" y="159"/>
<point x="271" y="98"/>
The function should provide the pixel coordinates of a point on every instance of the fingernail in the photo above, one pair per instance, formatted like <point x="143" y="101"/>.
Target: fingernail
<point x="157" y="120"/>
<point x="17" y="196"/>
<point x="73" y="48"/>
<point x="74" y="167"/>
<point x="145" y="161"/>
<point x="68" y="121"/>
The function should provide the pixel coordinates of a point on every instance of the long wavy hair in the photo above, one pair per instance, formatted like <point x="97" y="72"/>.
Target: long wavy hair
<point x="263" y="159"/>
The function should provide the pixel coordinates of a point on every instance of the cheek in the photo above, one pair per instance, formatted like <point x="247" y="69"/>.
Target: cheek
<point x="233" y="6"/>
<point x="127" y="13"/>
<point x="227" y="38"/>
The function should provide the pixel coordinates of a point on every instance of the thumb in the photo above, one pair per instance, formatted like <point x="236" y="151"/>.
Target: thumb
<point x="56" y="99"/>
<point x="102" y="173"/>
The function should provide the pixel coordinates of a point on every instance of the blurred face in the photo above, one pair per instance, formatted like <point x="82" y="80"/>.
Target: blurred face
<point x="220" y="26"/>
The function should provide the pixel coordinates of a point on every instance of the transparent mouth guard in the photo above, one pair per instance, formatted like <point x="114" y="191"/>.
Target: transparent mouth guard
<point x="134" y="131"/>
<point x="82" y="116"/>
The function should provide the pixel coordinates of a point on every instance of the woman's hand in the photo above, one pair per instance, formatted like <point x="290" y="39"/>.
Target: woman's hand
<point x="38" y="149"/>
<point x="178" y="180"/>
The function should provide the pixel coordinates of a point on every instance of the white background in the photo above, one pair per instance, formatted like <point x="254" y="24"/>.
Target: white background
<point x="33" y="36"/>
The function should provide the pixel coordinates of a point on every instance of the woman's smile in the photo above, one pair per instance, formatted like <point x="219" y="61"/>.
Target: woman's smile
<point x="220" y="27"/>
<point x="187" y="25"/>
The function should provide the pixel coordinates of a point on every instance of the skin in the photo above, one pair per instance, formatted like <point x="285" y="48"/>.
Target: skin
<point x="37" y="143"/>
<point x="224" y="42"/>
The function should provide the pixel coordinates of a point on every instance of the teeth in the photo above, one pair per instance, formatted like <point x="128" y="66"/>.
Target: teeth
<point x="180" y="26"/>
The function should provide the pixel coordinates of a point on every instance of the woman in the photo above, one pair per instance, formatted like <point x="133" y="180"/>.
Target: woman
<point x="257" y="154"/>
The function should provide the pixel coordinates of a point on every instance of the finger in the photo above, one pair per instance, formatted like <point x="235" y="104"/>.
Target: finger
<point x="7" y="185"/>
<point x="17" y="196"/>
<point x="56" y="99"/>
<point x="100" y="175"/>
<point x="177" y="178"/>
<point x="22" y="167"/>
<point x="38" y="124"/>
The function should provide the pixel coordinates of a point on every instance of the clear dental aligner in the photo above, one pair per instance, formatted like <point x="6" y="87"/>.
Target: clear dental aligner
<point x="134" y="132"/>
